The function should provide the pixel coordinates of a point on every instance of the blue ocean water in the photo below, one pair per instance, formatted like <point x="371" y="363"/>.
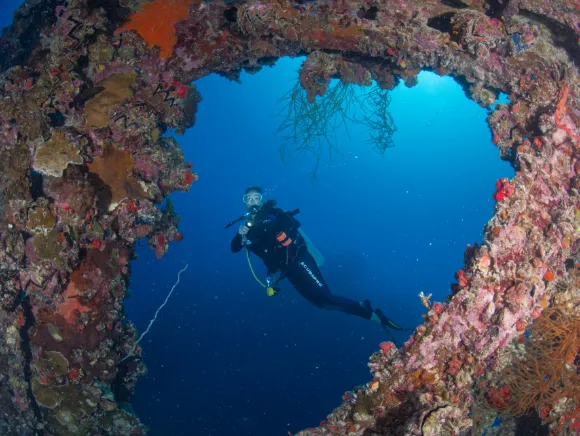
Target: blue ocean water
<point x="8" y="8"/>
<point x="225" y="359"/>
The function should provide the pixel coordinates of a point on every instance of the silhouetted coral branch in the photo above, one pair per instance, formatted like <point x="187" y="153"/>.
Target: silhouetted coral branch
<point x="311" y="127"/>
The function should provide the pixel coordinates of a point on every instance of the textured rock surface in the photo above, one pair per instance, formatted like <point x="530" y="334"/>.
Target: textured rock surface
<point x="91" y="80"/>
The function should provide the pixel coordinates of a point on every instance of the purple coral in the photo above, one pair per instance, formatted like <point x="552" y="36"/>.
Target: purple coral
<point x="85" y="250"/>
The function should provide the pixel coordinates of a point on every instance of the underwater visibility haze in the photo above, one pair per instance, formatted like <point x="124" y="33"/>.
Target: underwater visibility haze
<point x="146" y="126"/>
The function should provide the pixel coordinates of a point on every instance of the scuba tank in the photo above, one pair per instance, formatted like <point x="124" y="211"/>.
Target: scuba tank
<point x="318" y="258"/>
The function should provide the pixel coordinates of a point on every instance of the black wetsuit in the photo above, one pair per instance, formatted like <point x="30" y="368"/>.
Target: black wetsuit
<point x="293" y="261"/>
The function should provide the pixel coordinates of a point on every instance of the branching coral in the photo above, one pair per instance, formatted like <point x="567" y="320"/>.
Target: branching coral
<point x="550" y="369"/>
<point x="425" y="388"/>
<point x="311" y="127"/>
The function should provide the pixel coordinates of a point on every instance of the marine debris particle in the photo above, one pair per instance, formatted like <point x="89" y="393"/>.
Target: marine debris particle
<point x="155" y="23"/>
<point x="110" y="96"/>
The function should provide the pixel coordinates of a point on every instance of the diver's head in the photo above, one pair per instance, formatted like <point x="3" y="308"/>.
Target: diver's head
<point x="253" y="198"/>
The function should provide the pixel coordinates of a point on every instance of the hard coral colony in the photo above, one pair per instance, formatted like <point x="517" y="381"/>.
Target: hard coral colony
<point x="88" y="89"/>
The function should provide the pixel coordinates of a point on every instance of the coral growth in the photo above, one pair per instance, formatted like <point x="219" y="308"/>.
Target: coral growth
<point x="504" y="189"/>
<point x="310" y="123"/>
<point x="110" y="92"/>
<point x="77" y="192"/>
<point x="88" y="92"/>
<point x="53" y="157"/>
<point x="548" y="372"/>
<point x="115" y="168"/>
<point x="155" y="23"/>
<point x="71" y="307"/>
<point x="41" y="218"/>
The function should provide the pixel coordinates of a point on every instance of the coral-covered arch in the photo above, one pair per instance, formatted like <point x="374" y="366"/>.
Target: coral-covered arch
<point x="88" y="89"/>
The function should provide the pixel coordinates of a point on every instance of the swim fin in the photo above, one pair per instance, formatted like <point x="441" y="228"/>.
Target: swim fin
<point x="367" y="304"/>
<point x="386" y="322"/>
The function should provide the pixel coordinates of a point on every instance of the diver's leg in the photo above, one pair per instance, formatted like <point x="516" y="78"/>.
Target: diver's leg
<point x="389" y="322"/>
<point x="308" y="281"/>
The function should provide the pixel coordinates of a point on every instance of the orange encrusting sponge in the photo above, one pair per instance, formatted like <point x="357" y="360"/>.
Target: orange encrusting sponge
<point x="155" y="23"/>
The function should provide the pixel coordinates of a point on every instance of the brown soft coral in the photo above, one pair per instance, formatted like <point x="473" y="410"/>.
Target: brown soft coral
<point x="116" y="89"/>
<point x="54" y="156"/>
<point x="115" y="168"/>
<point x="40" y="217"/>
<point x="77" y="191"/>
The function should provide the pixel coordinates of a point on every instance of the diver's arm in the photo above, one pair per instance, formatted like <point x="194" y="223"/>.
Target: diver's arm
<point x="286" y="223"/>
<point x="237" y="243"/>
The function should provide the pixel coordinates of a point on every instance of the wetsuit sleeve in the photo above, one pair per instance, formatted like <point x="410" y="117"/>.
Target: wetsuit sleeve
<point x="286" y="223"/>
<point x="236" y="243"/>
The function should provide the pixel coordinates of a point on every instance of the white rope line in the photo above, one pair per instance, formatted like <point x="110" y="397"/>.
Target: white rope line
<point x="155" y="317"/>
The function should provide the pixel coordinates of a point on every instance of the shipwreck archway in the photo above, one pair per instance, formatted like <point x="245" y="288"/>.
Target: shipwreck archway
<point x="388" y="236"/>
<point x="70" y="103"/>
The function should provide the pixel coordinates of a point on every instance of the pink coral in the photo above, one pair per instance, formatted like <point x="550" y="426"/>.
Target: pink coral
<point x="484" y="262"/>
<point x="386" y="347"/>
<point x="344" y="40"/>
<point x="438" y="308"/>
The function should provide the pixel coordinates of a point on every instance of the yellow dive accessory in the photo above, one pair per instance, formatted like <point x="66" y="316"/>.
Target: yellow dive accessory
<point x="270" y="290"/>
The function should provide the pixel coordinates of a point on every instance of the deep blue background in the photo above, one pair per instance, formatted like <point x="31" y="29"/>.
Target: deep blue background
<point x="225" y="359"/>
<point x="8" y="7"/>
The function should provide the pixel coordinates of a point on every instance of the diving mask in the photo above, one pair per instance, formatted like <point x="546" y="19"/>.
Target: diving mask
<point x="253" y="199"/>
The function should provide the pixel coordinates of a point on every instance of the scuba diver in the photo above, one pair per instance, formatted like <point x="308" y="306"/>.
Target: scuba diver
<point x="275" y="237"/>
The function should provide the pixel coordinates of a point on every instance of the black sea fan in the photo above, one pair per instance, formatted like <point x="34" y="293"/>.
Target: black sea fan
<point x="310" y="127"/>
